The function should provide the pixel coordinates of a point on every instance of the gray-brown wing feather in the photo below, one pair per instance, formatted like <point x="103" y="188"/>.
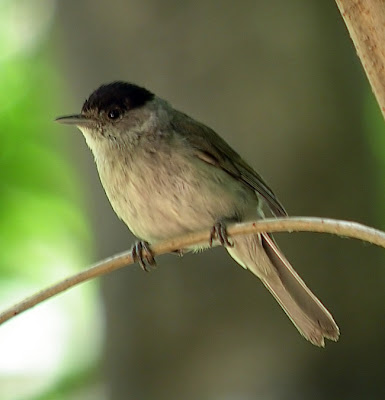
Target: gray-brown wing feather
<point x="212" y="149"/>
<point x="259" y="253"/>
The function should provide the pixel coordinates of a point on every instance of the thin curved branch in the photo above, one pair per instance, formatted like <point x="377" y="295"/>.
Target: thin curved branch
<point x="336" y="227"/>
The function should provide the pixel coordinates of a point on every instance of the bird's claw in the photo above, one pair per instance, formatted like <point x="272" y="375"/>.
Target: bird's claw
<point x="179" y="252"/>
<point x="219" y="231"/>
<point x="141" y="253"/>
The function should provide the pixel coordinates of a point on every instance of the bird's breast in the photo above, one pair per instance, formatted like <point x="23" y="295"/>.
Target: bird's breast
<point x="163" y="194"/>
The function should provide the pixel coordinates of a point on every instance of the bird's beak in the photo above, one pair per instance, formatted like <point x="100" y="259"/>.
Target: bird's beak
<point x="77" y="119"/>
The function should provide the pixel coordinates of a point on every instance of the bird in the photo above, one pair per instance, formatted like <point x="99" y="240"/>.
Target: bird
<point x="166" y="174"/>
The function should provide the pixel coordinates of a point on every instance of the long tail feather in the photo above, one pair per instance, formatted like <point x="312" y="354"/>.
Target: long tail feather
<point x="260" y="255"/>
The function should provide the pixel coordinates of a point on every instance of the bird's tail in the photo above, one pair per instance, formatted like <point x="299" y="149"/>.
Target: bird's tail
<point x="261" y="256"/>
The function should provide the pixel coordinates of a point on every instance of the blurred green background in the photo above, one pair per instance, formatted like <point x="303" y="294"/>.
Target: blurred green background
<point x="281" y="82"/>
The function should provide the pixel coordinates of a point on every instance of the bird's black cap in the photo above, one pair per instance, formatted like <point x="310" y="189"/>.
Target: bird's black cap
<point x="122" y="95"/>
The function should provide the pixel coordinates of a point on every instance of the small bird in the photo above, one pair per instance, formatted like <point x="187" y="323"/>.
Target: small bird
<point x="166" y="174"/>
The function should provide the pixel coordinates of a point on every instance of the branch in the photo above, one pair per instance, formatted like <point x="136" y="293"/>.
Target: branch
<point x="336" y="227"/>
<point x="365" y="20"/>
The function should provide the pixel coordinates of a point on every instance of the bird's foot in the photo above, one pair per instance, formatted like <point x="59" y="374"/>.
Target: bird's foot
<point x="141" y="253"/>
<point x="179" y="252"/>
<point x="219" y="231"/>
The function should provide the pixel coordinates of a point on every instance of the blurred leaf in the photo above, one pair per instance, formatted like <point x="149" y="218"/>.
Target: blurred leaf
<point x="39" y="202"/>
<point x="44" y="233"/>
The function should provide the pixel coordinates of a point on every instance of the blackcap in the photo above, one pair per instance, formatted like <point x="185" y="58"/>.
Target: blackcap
<point x="166" y="174"/>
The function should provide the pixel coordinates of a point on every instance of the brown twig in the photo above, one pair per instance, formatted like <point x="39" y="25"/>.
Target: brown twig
<point x="365" y="20"/>
<point x="341" y="228"/>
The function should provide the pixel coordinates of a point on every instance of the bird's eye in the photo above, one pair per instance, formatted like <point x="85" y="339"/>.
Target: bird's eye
<point x="114" y="114"/>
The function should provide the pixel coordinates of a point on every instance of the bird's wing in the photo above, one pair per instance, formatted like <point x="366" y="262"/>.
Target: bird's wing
<point x="211" y="148"/>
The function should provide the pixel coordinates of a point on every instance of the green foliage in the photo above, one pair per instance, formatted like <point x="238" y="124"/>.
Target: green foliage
<point x="39" y="202"/>
<point x="44" y="234"/>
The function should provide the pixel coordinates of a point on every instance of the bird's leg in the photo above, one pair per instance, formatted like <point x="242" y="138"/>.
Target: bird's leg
<point x="141" y="252"/>
<point x="219" y="231"/>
